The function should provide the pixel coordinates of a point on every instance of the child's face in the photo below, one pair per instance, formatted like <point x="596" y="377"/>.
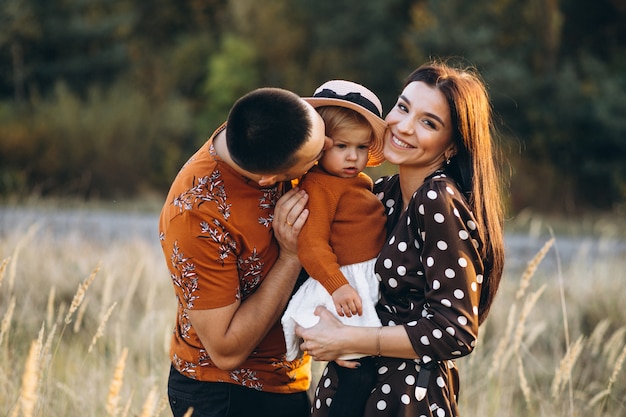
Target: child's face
<point x="348" y="155"/>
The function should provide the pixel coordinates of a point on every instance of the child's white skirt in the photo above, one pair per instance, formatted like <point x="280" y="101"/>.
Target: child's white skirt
<point x="311" y="294"/>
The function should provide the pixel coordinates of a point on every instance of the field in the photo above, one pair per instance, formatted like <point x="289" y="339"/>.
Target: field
<point x="86" y="311"/>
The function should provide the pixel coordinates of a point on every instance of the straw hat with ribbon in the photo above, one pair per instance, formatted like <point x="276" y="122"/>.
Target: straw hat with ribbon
<point x="354" y="96"/>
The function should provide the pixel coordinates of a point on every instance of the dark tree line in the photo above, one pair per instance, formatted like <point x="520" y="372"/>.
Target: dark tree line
<point x="107" y="99"/>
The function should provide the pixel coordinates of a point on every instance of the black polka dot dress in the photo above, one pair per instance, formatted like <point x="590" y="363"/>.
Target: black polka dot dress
<point x="430" y="273"/>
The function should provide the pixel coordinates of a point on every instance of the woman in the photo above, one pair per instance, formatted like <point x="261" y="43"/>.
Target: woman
<point x="442" y="262"/>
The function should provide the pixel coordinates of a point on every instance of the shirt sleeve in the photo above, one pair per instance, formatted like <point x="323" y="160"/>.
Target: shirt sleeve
<point x="203" y="261"/>
<point x="314" y="249"/>
<point x="448" y="325"/>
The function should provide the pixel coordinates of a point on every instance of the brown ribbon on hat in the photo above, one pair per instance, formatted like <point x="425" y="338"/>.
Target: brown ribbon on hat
<point x="355" y="98"/>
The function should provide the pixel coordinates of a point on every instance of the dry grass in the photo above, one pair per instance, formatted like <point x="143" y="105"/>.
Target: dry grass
<point x="525" y="363"/>
<point x="76" y="282"/>
<point x="113" y="306"/>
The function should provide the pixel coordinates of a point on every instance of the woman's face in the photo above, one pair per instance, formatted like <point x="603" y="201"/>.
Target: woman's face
<point x="420" y="128"/>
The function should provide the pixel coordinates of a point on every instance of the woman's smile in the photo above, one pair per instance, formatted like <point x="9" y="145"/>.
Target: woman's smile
<point x="400" y="143"/>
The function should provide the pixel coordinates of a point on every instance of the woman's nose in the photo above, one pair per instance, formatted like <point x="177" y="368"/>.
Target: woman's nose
<point x="406" y="125"/>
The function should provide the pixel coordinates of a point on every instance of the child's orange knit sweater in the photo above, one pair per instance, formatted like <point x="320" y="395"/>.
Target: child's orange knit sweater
<point x="346" y="225"/>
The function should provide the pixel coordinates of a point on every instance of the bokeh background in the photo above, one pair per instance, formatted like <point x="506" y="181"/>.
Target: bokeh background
<point x="103" y="99"/>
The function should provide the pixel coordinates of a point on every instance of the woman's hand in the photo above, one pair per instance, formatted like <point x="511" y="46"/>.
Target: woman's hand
<point x="324" y="340"/>
<point x="290" y="215"/>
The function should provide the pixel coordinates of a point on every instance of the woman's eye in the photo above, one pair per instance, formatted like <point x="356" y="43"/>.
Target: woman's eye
<point x="402" y="107"/>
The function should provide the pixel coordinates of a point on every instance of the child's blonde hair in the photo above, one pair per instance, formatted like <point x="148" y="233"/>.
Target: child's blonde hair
<point x="336" y="118"/>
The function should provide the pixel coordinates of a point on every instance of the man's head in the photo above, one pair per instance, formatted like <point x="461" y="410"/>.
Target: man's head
<point x="273" y="132"/>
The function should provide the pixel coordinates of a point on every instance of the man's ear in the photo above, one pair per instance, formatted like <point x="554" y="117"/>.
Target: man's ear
<point x="267" y="180"/>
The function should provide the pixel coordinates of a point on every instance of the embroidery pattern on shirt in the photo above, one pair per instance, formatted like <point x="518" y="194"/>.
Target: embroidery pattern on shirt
<point x="220" y="235"/>
<point x="186" y="279"/>
<point x="247" y="378"/>
<point x="205" y="189"/>
<point x="267" y="202"/>
<point x="185" y="367"/>
<point x="251" y="271"/>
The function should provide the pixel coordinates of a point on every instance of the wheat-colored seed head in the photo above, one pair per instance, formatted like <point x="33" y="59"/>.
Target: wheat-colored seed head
<point x="3" y="268"/>
<point x="532" y="268"/>
<point x="148" y="405"/>
<point x="617" y="368"/>
<point x="530" y="302"/>
<point x="80" y="315"/>
<point x="101" y="327"/>
<point x="596" y="340"/>
<point x="564" y="371"/>
<point x="6" y="320"/>
<point x="80" y="295"/>
<point x="189" y="412"/>
<point x="116" y="385"/>
<point x="30" y="380"/>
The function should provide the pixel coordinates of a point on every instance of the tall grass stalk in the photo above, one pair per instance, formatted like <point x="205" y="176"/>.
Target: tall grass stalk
<point x="3" y="268"/>
<point x="30" y="380"/>
<point x="80" y="295"/>
<point x="101" y="327"/>
<point x="531" y="268"/>
<point x="563" y="372"/>
<point x="113" y="399"/>
<point x="6" y="320"/>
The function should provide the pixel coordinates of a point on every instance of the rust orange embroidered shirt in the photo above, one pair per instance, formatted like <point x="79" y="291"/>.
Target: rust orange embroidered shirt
<point x="216" y="235"/>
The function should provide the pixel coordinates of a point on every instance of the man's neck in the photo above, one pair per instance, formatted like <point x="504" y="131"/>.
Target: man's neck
<point x="221" y="149"/>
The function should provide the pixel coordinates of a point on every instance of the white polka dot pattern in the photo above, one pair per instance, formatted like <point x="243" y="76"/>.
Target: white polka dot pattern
<point x="430" y="274"/>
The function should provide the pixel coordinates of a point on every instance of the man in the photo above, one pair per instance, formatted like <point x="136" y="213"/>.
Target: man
<point x="230" y="246"/>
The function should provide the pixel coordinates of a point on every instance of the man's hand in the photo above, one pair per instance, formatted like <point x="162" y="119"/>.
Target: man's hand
<point x="290" y="215"/>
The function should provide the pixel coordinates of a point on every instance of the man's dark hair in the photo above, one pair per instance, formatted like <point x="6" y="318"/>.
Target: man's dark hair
<point x="265" y="129"/>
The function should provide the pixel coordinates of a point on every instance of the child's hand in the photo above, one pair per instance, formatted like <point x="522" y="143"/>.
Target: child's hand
<point x="347" y="301"/>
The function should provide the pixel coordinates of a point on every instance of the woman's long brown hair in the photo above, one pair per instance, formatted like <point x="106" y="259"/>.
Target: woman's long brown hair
<point x="476" y="165"/>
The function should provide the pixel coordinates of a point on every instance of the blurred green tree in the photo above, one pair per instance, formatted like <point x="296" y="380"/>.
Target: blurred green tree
<point x="559" y="106"/>
<point x="356" y="40"/>
<point x="79" y="78"/>
<point x="232" y="72"/>
<point x="77" y="42"/>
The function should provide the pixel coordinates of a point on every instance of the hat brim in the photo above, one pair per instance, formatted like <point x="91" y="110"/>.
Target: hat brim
<point x="379" y="126"/>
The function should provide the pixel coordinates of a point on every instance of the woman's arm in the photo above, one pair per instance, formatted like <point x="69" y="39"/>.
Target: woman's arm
<point x="329" y="339"/>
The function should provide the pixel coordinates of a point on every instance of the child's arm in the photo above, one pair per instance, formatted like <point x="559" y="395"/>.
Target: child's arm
<point x="314" y="249"/>
<point x="347" y="301"/>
